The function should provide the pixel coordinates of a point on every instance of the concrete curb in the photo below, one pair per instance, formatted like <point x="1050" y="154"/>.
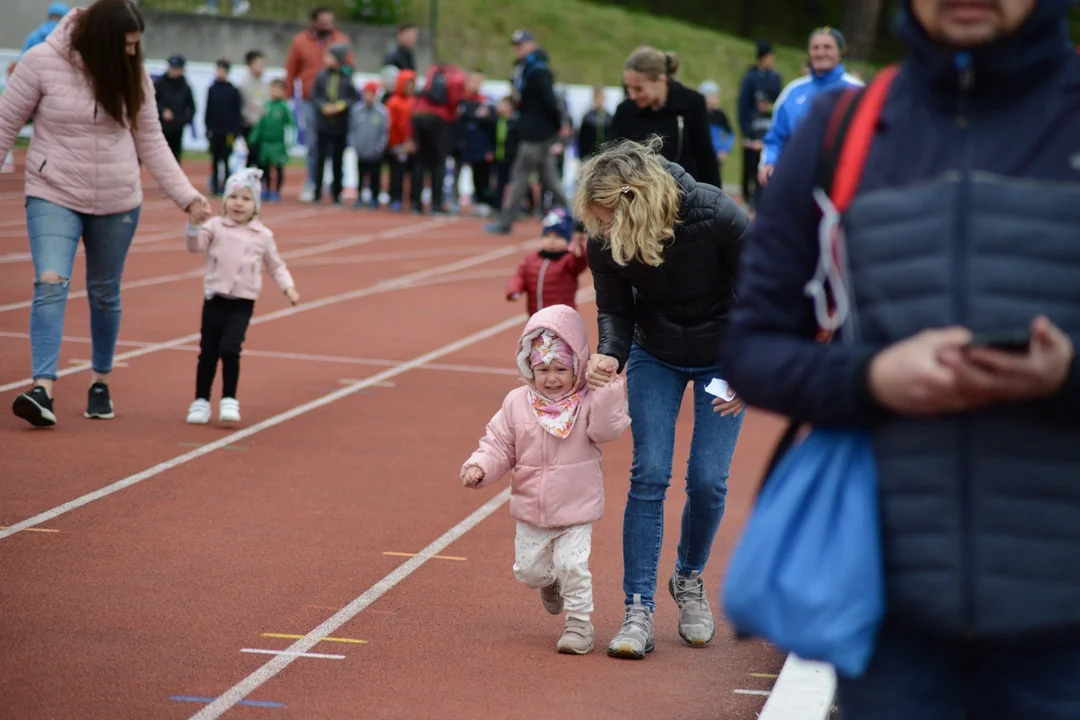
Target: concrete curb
<point x="804" y="691"/>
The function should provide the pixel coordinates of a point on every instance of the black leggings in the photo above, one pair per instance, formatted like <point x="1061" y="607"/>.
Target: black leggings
<point x="224" y="324"/>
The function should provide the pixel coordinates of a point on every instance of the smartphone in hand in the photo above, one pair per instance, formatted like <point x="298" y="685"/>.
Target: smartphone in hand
<point x="1017" y="342"/>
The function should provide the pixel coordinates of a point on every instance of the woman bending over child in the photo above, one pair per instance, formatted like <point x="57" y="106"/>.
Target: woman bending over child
<point x="548" y="434"/>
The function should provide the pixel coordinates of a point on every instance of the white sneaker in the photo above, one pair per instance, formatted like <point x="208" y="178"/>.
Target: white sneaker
<point x="229" y="410"/>
<point x="199" y="412"/>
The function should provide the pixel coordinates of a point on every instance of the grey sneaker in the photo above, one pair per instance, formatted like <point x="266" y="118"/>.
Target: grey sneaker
<point x="577" y="637"/>
<point x="636" y="636"/>
<point x="696" y="624"/>
<point x="552" y="599"/>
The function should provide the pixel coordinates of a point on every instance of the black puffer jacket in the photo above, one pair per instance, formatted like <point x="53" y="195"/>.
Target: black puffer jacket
<point x="677" y="311"/>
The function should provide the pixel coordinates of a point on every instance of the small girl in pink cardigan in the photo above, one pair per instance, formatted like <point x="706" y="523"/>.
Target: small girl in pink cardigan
<point x="237" y="245"/>
<point x="548" y="433"/>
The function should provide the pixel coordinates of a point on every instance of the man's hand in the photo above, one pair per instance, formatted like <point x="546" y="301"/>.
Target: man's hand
<point x="912" y="377"/>
<point x="601" y="370"/>
<point x="764" y="173"/>
<point x="167" y="115"/>
<point x="997" y="376"/>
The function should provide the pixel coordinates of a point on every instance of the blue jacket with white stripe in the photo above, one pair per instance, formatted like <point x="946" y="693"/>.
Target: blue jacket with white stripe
<point x="793" y="104"/>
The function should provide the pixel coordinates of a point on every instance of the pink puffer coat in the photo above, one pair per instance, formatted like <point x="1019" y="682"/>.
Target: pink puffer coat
<point x="554" y="482"/>
<point x="80" y="158"/>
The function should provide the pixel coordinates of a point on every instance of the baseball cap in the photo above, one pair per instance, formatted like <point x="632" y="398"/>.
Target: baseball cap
<point x="176" y="61"/>
<point x="520" y="36"/>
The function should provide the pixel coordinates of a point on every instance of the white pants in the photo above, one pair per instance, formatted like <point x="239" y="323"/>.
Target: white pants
<point x="543" y="556"/>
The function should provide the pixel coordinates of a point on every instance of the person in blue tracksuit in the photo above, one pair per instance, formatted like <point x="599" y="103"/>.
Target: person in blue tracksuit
<point x="965" y="221"/>
<point x="723" y="136"/>
<point x="827" y="72"/>
<point x="56" y="12"/>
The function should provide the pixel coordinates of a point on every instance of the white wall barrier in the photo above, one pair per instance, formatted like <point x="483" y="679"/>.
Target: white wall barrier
<point x="201" y="75"/>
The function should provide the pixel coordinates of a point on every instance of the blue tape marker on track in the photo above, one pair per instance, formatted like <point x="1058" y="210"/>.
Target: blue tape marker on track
<point x="256" y="703"/>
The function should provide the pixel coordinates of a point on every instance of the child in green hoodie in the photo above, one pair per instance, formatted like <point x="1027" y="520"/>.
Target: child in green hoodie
<point x="271" y="136"/>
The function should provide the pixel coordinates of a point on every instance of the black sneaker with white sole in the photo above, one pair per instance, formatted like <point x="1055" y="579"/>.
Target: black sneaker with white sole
<point x="35" y="407"/>
<point x="99" y="405"/>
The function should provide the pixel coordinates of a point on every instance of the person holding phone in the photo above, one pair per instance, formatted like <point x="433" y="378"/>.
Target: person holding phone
<point x="961" y="264"/>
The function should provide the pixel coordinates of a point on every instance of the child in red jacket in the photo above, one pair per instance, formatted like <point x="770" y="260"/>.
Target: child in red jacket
<point x="550" y="275"/>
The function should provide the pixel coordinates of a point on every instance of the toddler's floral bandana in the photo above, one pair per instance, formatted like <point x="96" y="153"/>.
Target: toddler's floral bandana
<point x="555" y="416"/>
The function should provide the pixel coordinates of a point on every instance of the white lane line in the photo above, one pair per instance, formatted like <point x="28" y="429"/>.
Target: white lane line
<point x="177" y="234"/>
<point x="302" y="357"/>
<point x="288" y="255"/>
<point x="804" y="691"/>
<point x="235" y="437"/>
<point x="765" y="693"/>
<point x="410" y="280"/>
<point x="294" y="654"/>
<point x="245" y="687"/>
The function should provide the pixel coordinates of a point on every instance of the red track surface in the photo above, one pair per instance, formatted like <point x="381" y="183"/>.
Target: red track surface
<point x="153" y="591"/>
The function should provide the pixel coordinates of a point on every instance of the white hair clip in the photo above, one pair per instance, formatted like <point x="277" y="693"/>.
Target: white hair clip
<point x="625" y="189"/>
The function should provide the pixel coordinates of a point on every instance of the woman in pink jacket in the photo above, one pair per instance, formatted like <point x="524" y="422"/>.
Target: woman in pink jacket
<point x="94" y="119"/>
<point x="548" y="434"/>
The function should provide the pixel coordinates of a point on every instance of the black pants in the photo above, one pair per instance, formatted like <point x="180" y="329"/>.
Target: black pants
<point x="502" y="179"/>
<point x="253" y="151"/>
<point x="369" y="174"/>
<point x="175" y="139"/>
<point x="279" y="181"/>
<point x="398" y="168"/>
<point x="224" y="324"/>
<point x="751" y="158"/>
<point x="220" y="150"/>
<point x="333" y="147"/>
<point x="433" y="136"/>
<point x="481" y="177"/>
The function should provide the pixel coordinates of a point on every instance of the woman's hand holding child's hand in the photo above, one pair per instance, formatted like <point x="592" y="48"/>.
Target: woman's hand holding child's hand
<point x="601" y="370"/>
<point x="472" y="477"/>
<point x="294" y="297"/>
<point x="199" y="210"/>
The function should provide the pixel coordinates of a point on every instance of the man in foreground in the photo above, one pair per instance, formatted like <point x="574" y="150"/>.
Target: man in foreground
<point x="964" y="226"/>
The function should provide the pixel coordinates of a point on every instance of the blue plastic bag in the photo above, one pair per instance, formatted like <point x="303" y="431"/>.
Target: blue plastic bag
<point x="807" y="574"/>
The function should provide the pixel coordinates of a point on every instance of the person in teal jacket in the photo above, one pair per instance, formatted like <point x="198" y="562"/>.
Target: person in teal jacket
<point x="56" y="11"/>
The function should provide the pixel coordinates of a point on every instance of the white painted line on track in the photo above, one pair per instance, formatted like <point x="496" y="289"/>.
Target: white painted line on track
<point x="288" y="255"/>
<point x="303" y="357"/>
<point x="766" y="693"/>
<point x="294" y="654"/>
<point x="804" y="691"/>
<point x="245" y="687"/>
<point x="177" y="234"/>
<point x="235" y="437"/>
<point x="404" y="281"/>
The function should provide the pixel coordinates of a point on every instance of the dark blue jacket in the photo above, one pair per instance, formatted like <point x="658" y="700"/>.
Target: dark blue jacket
<point x="967" y="214"/>
<point x="224" y="108"/>
<point x="754" y="81"/>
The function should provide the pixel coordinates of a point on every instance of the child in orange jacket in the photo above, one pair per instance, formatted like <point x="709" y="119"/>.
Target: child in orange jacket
<point x="400" y="145"/>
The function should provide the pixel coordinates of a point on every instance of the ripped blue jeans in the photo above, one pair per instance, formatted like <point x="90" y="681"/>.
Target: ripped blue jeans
<point x="54" y="237"/>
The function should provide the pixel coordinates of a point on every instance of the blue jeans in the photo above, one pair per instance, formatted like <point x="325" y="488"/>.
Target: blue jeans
<point x="54" y="237"/>
<point x="655" y="391"/>
<point x="916" y="675"/>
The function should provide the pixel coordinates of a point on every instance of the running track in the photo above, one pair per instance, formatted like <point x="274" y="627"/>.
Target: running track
<point x="295" y="531"/>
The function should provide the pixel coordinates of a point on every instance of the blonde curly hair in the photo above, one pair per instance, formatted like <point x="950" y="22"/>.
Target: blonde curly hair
<point x="629" y="179"/>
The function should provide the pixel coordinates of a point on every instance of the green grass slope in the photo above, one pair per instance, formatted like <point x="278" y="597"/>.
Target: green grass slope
<point x="588" y="43"/>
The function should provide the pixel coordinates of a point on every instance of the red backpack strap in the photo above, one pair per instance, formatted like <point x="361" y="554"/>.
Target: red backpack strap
<point x="846" y="145"/>
<point x="848" y="137"/>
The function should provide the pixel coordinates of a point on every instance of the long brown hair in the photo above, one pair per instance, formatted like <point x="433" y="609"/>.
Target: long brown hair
<point x="100" y="39"/>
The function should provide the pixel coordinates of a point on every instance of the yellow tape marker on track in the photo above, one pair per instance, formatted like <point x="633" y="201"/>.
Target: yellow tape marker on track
<point x="44" y="530"/>
<point x="433" y="557"/>
<point x="287" y="636"/>
<point x="772" y="676"/>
